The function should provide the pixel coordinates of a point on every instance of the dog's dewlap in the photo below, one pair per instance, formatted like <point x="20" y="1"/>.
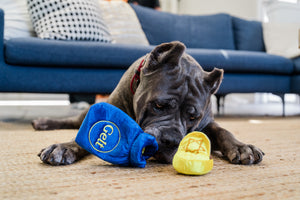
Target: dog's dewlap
<point x="193" y="155"/>
<point x="113" y="136"/>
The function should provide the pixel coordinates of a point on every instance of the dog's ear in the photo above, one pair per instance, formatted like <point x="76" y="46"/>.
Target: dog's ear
<point x="166" y="53"/>
<point x="213" y="79"/>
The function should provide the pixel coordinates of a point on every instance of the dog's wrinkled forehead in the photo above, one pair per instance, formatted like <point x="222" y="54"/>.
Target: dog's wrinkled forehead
<point x="179" y="79"/>
<point x="170" y="59"/>
<point x="168" y="68"/>
<point x="169" y="72"/>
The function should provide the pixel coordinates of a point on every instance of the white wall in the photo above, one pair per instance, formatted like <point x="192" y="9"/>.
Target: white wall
<point x="283" y="12"/>
<point x="169" y="5"/>
<point x="262" y="10"/>
<point x="248" y="9"/>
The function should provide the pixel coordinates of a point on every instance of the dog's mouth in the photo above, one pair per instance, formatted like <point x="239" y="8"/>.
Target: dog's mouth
<point x="163" y="157"/>
<point x="165" y="151"/>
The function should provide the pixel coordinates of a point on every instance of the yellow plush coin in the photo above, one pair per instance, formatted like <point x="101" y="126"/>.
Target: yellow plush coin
<point x="193" y="155"/>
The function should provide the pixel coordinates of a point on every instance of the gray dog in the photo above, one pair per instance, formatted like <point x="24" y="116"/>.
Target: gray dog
<point x="168" y="94"/>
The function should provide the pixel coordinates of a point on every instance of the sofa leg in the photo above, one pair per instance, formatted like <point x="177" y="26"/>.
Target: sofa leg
<point x="220" y="102"/>
<point x="283" y="103"/>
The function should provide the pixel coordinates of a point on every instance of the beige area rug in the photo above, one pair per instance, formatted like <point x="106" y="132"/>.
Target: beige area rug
<point x="23" y="176"/>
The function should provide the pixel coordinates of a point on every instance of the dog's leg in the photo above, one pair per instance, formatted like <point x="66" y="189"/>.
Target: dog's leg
<point x="236" y="151"/>
<point x="62" y="154"/>
<point x="52" y="124"/>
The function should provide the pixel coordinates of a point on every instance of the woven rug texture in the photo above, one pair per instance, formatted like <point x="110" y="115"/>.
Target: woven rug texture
<point x="24" y="176"/>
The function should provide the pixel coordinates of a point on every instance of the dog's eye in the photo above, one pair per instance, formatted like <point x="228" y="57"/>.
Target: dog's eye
<point x="159" y="106"/>
<point x="192" y="118"/>
<point x="164" y="105"/>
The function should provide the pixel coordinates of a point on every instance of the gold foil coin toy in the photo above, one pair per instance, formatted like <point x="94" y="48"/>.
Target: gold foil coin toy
<point x="193" y="155"/>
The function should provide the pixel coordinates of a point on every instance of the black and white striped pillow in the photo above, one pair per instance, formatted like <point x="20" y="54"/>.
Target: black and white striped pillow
<point x="68" y="20"/>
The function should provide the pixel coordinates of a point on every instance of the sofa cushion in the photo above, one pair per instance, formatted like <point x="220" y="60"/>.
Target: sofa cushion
<point x="249" y="83"/>
<point x="68" y="20"/>
<point x="242" y="61"/>
<point x="297" y="65"/>
<point x="58" y="53"/>
<point x="207" y="31"/>
<point x="248" y="35"/>
<point x="38" y="52"/>
<point x="295" y="84"/>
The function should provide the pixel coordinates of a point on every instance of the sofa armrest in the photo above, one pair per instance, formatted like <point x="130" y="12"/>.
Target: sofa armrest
<point x="1" y="35"/>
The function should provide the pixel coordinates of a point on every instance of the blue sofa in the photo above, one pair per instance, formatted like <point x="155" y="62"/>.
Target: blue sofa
<point x="233" y="44"/>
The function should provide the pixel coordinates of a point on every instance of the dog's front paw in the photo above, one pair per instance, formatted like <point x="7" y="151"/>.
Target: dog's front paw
<point x="245" y="154"/>
<point x="44" y="124"/>
<point x="58" y="154"/>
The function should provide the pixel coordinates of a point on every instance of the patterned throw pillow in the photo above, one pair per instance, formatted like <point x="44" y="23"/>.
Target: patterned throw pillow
<point x="68" y="20"/>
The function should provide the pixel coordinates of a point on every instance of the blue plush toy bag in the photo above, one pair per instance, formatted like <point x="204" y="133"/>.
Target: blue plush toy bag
<point x="113" y="136"/>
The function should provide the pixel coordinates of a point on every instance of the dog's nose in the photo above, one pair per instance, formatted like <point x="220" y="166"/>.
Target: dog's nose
<point x="170" y="140"/>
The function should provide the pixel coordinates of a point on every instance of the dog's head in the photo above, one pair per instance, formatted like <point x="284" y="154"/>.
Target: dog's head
<point x="173" y="96"/>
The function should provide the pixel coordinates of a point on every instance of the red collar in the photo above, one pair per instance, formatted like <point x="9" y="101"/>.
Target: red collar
<point x="136" y="76"/>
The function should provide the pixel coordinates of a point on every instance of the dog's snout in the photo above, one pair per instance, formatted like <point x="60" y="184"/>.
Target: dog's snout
<point x="170" y="140"/>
